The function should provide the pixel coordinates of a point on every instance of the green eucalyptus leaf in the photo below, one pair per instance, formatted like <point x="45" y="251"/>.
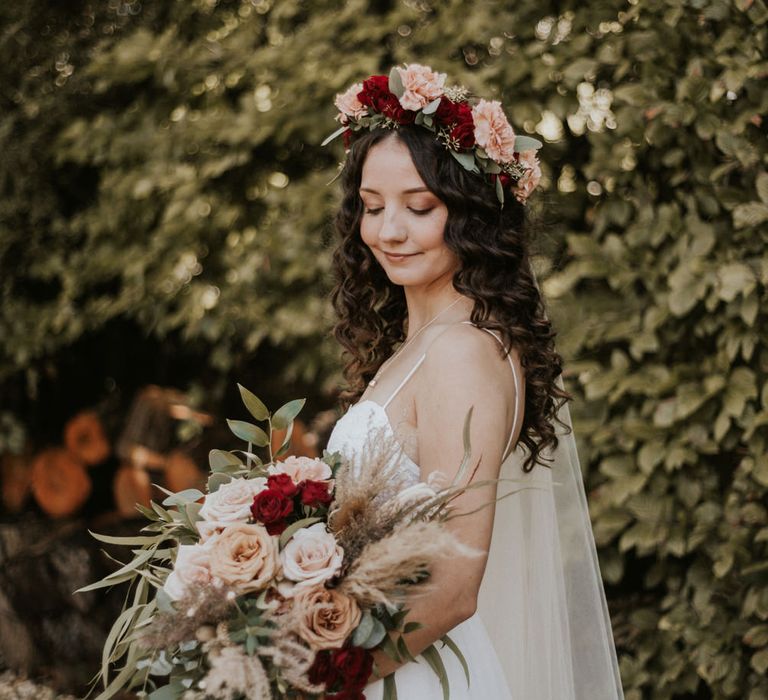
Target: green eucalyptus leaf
<point x="217" y="480"/>
<point x="467" y="160"/>
<point x="183" y="497"/>
<point x="435" y="662"/>
<point x="376" y="635"/>
<point x="396" y="86"/>
<point x="390" y="687"/>
<point x="363" y="629"/>
<point x="336" y="133"/>
<point x="248" y="432"/>
<point x="254" y="405"/>
<point x="286" y="413"/>
<point x="293" y="528"/>
<point x="526" y="143"/>
<point x="222" y="461"/>
<point x="431" y="108"/>
<point x="447" y="641"/>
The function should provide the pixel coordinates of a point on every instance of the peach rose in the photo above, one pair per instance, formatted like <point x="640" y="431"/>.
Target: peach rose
<point x="192" y="568"/>
<point x="348" y="104"/>
<point x="303" y="469"/>
<point x="422" y="85"/>
<point x="311" y="556"/>
<point x="244" y="556"/>
<point x="326" y="617"/>
<point x="232" y="502"/>
<point x="492" y="130"/>
<point x="530" y="180"/>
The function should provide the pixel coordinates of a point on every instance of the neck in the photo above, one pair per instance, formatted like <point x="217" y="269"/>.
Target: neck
<point x="424" y="303"/>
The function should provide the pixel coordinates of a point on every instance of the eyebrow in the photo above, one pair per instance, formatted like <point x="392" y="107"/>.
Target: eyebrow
<point x="413" y="189"/>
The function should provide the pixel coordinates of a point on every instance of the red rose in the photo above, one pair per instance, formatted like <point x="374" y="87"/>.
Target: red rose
<point x="447" y="112"/>
<point x="375" y="89"/>
<point x="354" y="665"/>
<point x="322" y="671"/>
<point x="271" y="507"/>
<point x="464" y="131"/>
<point x="376" y="95"/>
<point x="347" y="138"/>
<point x="282" y="483"/>
<point x="315" y="493"/>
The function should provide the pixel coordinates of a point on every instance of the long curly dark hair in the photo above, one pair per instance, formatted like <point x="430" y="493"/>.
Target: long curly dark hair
<point x="492" y="246"/>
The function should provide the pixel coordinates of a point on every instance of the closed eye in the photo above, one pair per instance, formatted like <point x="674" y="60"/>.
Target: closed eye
<point x="418" y="212"/>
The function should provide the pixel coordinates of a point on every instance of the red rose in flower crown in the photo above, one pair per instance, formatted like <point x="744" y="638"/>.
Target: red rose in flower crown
<point x="477" y="133"/>
<point x="376" y="95"/>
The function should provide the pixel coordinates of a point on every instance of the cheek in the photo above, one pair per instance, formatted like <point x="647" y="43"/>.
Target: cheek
<point x="367" y="234"/>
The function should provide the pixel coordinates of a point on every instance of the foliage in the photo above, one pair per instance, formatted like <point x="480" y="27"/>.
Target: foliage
<point x="162" y="164"/>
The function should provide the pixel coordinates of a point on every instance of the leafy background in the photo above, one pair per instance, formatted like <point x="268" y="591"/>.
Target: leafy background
<point x="164" y="216"/>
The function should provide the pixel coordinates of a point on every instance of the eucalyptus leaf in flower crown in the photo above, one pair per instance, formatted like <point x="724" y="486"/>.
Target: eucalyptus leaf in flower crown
<point x="477" y="133"/>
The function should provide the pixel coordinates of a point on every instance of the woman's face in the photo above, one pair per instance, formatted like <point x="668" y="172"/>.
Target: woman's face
<point x="402" y="217"/>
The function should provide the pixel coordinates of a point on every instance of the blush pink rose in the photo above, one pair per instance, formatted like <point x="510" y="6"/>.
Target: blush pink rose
<point x="492" y="130"/>
<point x="191" y="568"/>
<point x="422" y="85"/>
<point x="349" y="105"/>
<point x="232" y="501"/>
<point x="530" y="180"/>
<point x="311" y="556"/>
<point x="244" y="556"/>
<point x="303" y="469"/>
<point x="327" y="617"/>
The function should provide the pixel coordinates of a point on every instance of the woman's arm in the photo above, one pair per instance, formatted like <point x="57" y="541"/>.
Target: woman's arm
<point x="463" y="368"/>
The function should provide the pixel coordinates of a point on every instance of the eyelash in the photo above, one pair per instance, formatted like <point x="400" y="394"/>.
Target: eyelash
<point x="418" y="212"/>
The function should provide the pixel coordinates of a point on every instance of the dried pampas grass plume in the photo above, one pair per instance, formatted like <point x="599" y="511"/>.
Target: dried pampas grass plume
<point x="292" y="656"/>
<point x="233" y="672"/>
<point x="385" y="568"/>
<point x="364" y="483"/>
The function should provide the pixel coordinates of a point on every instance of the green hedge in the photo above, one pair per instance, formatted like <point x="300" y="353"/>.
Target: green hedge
<point x="162" y="166"/>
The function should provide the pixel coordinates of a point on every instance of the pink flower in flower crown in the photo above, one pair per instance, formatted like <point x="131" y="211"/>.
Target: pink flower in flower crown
<point x="528" y="182"/>
<point x="348" y="104"/>
<point x="422" y="85"/>
<point x="492" y="130"/>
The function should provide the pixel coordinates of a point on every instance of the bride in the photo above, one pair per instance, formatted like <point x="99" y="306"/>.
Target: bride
<point x="438" y="311"/>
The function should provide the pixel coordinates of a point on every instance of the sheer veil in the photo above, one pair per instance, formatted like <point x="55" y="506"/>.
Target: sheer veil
<point x="542" y="598"/>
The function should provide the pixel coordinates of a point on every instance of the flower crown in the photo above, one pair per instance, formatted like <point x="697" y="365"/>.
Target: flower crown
<point x="477" y="135"/>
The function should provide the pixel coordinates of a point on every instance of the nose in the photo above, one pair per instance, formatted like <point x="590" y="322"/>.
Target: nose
<point x="392" y="228"/>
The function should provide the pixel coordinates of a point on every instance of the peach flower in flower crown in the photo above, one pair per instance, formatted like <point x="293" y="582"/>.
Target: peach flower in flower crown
<point x="528" y="182"/>
<point x="422" y="85"/>
<point x="348" y="104"/>
<point x="492" y="130"/>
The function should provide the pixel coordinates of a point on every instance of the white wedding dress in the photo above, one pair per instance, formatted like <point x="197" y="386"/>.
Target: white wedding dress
<point x="542" y="630"/>
<point x="417" y="681"/>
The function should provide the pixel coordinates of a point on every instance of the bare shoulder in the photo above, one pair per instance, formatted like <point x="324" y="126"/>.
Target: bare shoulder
<point x="467" y="353"/>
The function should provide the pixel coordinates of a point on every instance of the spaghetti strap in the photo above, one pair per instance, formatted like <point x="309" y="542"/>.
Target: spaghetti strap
<point x="413" y="369"/>
<point x="407" y="377"/>
<point x="517" y="387"/>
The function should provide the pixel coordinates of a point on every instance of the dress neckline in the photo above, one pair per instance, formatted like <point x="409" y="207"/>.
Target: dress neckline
<point x="388" y="423"/>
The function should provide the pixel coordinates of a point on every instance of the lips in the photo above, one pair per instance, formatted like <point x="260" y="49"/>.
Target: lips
<point x="399" y="256"/>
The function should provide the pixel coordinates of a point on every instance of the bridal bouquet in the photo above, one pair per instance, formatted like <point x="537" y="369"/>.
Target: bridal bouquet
<point x="283" y="578"/>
